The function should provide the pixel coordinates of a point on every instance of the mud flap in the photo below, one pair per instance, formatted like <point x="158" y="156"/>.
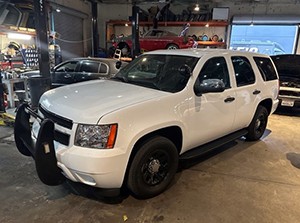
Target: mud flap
<point x="45" y="158"/>
<point x="22" y="132"/>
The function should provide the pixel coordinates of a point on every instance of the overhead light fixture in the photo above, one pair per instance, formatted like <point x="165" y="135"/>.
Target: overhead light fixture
<point x="18" y="36"/>
<point x="206" y="25"/>
<point x="197" y="8"/>
<point x="57" y="10"/>
<point x="126" y="24"/>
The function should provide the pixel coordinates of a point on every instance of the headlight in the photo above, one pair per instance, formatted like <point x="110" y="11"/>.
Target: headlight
<point x="96" y="136"/>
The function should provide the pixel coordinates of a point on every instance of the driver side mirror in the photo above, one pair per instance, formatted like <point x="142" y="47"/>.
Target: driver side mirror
<point x="118" y="64"/>
<point x="209" y="86"/>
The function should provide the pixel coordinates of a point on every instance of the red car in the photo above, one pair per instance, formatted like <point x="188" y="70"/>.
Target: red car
<point x="154" y="39"/>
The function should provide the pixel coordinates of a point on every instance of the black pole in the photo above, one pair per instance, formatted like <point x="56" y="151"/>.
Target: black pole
<point x="135" y="51"/>
<point x="95" y="28"/>
<point x="39" y="84"/>
<point x="42" y="37"/>
<point x="2" y="107"/>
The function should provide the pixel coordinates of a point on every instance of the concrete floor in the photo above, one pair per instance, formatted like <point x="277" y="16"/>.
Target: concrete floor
<point x="241" y="182"/>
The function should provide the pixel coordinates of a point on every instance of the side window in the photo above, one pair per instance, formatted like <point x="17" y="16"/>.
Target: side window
<point x="89" y="67"/>
<point x="214" y="68"/>
<point x="266" y="68"/>
<point x="67" y="67"/>
<point x="103" y="68"/>
<point x="244" y="74"/>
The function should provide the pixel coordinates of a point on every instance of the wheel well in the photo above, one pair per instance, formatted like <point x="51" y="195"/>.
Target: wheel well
<point x="173" y="133"/>
<point x="267" y="103"/>
<point x="172" y="44"/>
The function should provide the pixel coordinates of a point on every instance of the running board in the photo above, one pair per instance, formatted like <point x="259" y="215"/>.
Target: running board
<point x="199" y="151"/>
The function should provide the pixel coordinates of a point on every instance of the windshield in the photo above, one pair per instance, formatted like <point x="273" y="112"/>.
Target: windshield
<point x="160" y="72"/>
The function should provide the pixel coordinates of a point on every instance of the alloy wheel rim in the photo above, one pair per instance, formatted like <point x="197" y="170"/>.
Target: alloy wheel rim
<point x="155" y="169"/>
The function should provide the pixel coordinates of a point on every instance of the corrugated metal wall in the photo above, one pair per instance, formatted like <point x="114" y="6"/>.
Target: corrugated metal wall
<point x="70" y="30"/>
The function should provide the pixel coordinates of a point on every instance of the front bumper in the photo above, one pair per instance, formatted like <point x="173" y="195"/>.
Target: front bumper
<point x="54" y="162"/>
<point x="289" y="101"/>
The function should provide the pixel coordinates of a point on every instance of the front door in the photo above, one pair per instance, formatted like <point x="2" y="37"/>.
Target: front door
<point x="64" y="74"/>
<point x="211" y="114"/>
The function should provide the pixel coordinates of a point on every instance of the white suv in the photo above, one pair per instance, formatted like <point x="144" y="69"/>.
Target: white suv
<point x="132" y="130"/>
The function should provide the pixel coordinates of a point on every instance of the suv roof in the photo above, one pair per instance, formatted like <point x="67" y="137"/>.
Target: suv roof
<point x="201" y="52"/>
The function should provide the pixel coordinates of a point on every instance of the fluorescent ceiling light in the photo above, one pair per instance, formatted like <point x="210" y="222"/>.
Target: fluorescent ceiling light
<point x="18" y="36"/>
<point x="57" y="10"/>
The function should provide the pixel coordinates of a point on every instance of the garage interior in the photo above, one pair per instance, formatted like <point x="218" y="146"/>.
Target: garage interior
<point x="240" y="181"/>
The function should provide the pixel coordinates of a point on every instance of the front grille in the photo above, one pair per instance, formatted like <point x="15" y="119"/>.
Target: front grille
<point x="62" y="121"/>
<point x="61" y="137"/>
<point x="289" y="93"/>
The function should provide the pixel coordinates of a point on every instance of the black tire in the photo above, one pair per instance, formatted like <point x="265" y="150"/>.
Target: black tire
<point x="258" y="124"/>
<point x="153" y="167"/>
<point x="172" y="47"/>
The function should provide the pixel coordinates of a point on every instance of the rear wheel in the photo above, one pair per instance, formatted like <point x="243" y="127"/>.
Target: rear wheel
<point x="172" y="47"/>
<point x="258" y="124"/>
<point x="153" y="167"/>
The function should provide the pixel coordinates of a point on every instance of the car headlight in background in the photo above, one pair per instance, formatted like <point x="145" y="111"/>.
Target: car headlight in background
<point x="96" y="136"/>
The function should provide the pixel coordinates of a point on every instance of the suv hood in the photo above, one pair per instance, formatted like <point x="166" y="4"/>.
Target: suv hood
<point x="87" y="102"/>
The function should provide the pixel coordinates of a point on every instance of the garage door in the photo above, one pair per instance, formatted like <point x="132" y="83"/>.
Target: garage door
<point x="70" y="38"/>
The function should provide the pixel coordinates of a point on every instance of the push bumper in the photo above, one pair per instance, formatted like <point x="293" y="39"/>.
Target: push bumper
<point x="43" y="150"/>
<point x="50" y="170"/>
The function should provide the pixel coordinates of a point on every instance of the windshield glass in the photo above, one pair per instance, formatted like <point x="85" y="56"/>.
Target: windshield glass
<point x="158" y="71"/>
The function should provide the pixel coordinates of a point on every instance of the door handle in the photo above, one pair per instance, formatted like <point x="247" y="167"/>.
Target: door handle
<point x="256" y="92"/>
<point x="67" y="76"/>
<point x="229" y="99"/>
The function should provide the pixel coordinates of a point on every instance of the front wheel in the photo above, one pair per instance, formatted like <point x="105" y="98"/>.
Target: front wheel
<point x="153" y="167"/>
<point x="258" y="124"/>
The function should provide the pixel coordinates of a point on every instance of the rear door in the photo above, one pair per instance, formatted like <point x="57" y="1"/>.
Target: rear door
<point x="88" y="70"/>
<point x="248" y="90"/>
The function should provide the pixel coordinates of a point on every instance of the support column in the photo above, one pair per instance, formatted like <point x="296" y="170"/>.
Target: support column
<point x="95" y="28"/>
<point x="39" y="84"/>
<point x="42" y="37"/>
<point x="136" y="50"/>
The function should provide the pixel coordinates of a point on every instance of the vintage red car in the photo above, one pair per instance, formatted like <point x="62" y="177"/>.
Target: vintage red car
<point x="154" y="39"/>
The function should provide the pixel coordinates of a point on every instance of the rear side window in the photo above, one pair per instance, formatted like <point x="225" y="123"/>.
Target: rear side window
<point x="103" y="68"/>
<point x="244" y="73"/>
<point x="266" y="68"/>
<point x="89" y="66"/>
